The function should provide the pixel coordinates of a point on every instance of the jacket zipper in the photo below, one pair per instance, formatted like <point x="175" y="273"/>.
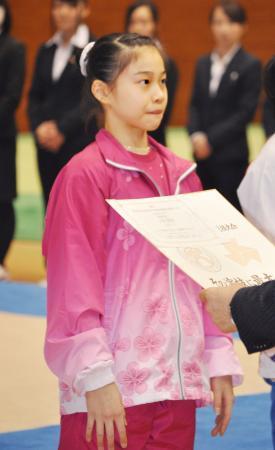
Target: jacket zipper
<point x="170" y="264"/>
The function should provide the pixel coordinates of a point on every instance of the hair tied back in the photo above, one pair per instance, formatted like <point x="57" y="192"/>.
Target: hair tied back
<point x="84" y="57"/>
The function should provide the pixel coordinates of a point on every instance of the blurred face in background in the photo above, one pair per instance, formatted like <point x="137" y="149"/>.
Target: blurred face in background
<point x="67" y="16"/>
<point x="142" y="22"/>
<point x="2" y="16"/>
<point x="226" y="33"/>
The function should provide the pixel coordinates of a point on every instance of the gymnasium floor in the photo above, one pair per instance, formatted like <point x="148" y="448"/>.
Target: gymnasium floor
<point x="29" y="409"/>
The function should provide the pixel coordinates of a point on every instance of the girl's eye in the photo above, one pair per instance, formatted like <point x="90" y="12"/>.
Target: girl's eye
<point x="164" y="81"/>
<point x="145" y="81"/>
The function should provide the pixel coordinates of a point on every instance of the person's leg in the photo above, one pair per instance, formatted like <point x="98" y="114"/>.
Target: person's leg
<point x="7" y="226"/>
<point x="47" y="166"/>
<point x="229" y="177"/>
<point x="273" y="412"/>
<point x="174" y="426"/>
<point x="206" y="172"/>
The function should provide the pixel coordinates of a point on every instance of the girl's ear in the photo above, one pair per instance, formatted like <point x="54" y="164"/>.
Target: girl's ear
<point x="100" y="91"/>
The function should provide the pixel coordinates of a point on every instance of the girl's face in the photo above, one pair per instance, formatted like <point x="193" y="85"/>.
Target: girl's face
<point x="142" y="22"/>
<point x="138" y="97"/>
<point x="67" y="17"/>
<point x="226" y="33"/>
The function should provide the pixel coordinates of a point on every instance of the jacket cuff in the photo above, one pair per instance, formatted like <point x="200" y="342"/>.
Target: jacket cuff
<point x="223" y="361"/>
<point x="94" y="377"/>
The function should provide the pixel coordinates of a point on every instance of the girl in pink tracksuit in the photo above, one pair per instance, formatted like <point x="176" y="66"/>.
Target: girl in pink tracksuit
<point x="133" y="349"/>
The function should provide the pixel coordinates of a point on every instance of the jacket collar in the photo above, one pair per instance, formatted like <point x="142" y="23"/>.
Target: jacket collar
<point x="112" y="150"/>
<point x="115" y="154"/>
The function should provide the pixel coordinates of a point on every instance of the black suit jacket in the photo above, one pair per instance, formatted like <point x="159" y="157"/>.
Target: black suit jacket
<point x="253" y="311"/>
<point x="225" y="116"/>
<point x="60" y="100"/>
<point x="12" y="74"/>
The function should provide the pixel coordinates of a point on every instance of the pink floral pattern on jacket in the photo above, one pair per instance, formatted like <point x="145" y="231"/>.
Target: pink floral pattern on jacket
<point x="133" y="379"/>
<point x="156" y="307"/>
<point x="165" y="382"/>
<point x="126" y="235"/>
<point x="149" y="344"/>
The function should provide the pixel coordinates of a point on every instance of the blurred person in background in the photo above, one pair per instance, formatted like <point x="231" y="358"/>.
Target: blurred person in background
<point x="55" y="96"/>
<point x="268" y="118"/>
<point x="225" y="96"/>
<point x="12" y="72"/>
<point x="142" y="17"/>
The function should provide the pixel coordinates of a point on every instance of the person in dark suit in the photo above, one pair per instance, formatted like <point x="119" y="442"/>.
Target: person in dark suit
<point x="142" y="17"/>
<point x="12" y="73"/>
<point x="54" y="108"/>
<point x="224" y="99"/>
<point x="252" y="310"/>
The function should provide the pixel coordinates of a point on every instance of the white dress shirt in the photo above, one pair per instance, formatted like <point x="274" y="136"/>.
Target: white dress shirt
<point x="64" y="51"/>
<point x="218" y="67"/>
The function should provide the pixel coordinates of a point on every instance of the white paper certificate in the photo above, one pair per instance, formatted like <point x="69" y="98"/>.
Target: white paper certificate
<point x="204" y="235"/>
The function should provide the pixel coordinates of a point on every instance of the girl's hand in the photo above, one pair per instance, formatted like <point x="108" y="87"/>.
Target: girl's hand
<point x="223" y="403"/>
<point x="105" y="409"/>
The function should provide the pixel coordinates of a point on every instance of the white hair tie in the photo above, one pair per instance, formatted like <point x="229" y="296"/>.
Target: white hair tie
<point x="84" y="58"/>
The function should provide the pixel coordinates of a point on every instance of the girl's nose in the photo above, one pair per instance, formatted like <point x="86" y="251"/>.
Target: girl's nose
<point x="160" y="93"/>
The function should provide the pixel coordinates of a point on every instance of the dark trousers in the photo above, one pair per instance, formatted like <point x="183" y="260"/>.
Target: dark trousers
<point x="7" y="226"/>
<point x="225" y="177"/>
<point x="49" y="165"/>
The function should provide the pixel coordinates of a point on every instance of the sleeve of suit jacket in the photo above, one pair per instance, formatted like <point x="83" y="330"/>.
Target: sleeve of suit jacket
<point x="36" y="94"/>
<point x="253" y="311"/>
<point x="16" y="74"/>
<point x="172" y="84"/>
<point x="194" y="121"/>
<point x="229" y="128"/>
<point x="73" y="120"/>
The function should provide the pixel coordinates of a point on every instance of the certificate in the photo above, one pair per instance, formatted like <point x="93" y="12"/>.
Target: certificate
<point x="204" y="235"/>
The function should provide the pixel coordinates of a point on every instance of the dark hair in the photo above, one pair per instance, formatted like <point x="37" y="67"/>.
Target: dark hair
<point x="137" y="4"/>
<point x="269" y="80"/>
<point x="7" y="20"/>
<point x="233" y="9"/>
<point x="110" y="55"/>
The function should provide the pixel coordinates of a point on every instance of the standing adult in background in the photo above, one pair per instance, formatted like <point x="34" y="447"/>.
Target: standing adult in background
<point x="12" y="71"/>
<point x="142" y="17"/>
<point x="224" y="99"/>
<point x="55" y="96"/>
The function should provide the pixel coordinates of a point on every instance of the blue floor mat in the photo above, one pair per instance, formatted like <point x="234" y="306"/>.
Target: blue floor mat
<point x="22" y="298"/>
<point x="250" y="427"/>
<point x="37" y="439"/>
<point x="249" y="430"/>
